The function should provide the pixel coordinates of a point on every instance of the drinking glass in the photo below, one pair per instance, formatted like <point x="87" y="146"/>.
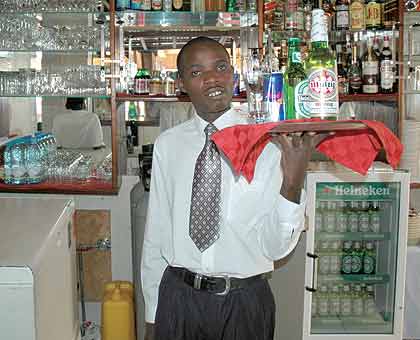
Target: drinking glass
<point x="253" y="75"/>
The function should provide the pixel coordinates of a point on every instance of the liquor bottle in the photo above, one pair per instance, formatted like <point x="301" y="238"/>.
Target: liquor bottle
<point x="342" y="20"/>
<point x="370" y="70"/>
<point x="142" y="82"/>
<point x="295" y="73"/>
<point x="387" y="72"/>
<point x="357" y="258"/>
<point x="294" y="15"/>
<point x="307" y="20"/>
<point x="279" y="15"/>
<point x="369" y="258"/>
<point x="283" y="56"/>
<point x="373" y="14"/>
<point x="343" y="85"/>
<point x="376" y="48"/>
<point x="155" y="86"/>
<point x="177" y="5"/>
<point x="231" y="6"/>
<point x="317" y="96"/>
<point x="357" y="15"/>
<point x="328" y="7"/>
<point x="157" y="5"/>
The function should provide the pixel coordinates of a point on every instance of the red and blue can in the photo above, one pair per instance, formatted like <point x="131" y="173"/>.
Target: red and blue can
<point x="273" y="97"/>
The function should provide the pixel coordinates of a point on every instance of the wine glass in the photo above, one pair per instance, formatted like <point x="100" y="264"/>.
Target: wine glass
<point x="253" y="75"/>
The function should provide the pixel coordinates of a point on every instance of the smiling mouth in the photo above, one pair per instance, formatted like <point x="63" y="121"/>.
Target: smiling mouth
<point x="215" y="93"/>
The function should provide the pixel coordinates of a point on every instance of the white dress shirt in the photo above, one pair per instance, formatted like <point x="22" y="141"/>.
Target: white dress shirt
<point x="257" y="225"/>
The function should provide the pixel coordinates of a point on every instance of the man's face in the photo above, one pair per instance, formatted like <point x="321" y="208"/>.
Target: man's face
<point x="207" y="77"/>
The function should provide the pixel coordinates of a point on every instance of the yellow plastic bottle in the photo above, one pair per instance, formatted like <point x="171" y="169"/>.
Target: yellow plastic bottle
<point x="118" y="312"/>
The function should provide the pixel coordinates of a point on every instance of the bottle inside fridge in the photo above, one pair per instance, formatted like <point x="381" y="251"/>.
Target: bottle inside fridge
<point x="356" y="241"/>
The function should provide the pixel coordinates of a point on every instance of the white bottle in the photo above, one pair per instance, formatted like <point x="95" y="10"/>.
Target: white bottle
<point x="375" y="218"/>
<point x="341" y="217"/>
<point x="324" y="258"/>
<point x="357" y="301"/>
<point x="369" y="303"/>
<point x="335" y="256"/>
<point x="364" y="217"/>
<point x="346" y="305"/>
<point x="323" y="303"/>
<point x="334" y="301"/>
<point x="353" y="217"/>
<point x="329" y="217"/>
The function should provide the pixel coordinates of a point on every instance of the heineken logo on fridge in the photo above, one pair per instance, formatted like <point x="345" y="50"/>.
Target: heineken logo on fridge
<point x="323" y="83"/>
<point x="352" y="190"/>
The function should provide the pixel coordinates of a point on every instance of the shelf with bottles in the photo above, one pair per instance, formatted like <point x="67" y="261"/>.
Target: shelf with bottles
<point x="150" y="20"/>
<point x="364" y="97"/>
<point x="121" y="97"/>
<point x="47" y="6"/>
<point x="350" y="278"/>
<point x="354" y="236"/>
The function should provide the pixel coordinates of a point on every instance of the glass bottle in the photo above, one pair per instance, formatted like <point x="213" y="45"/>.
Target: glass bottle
<point x="357" y="15"/>
<point x="155" y="84"/>
<point x="373" y="14"/>
<point x="369" y="304"/>
<point x="317" y="96"/>
<point x="354" y="73"/>
<point x="169" y="85"/>
<point x="334" y="301"/>
<point x="132" y="111"/>
<point x="346" y="301"/>
<point x="357" y="303"/>
<point x="387" y="72"/>
<point x="375" y="218"/>
<point x="293" y="76"/>
<point x="342" y="20"/>
<point x="142" y="82"/>
<point x="283" y="56"/>
<point x="294" y="15"/>
<point x="357" y="258"/>
<point x="343" y="85"/>
<point x="369" y="258"/>
<point x="346" y="260"/>
<point x="157" y="5"/>
<point x="167" y="5"/>
<point x="370" y="70"/>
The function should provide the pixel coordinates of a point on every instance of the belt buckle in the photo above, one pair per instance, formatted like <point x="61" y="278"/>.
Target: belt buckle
<point x="227" y="285"/>
<point x="197" y="280"/>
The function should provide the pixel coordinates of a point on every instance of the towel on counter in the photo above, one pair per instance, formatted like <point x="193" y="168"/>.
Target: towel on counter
<point x="356" y="150"/>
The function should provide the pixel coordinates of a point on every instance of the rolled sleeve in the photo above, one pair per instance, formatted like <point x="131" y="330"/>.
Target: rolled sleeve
<point x="280" y="234"/>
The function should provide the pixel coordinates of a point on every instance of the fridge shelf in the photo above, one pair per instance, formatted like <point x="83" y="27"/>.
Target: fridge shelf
<point x="364" y="278"/>
<point x="356" y="236"/>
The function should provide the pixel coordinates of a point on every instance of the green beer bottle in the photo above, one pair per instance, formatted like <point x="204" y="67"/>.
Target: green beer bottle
<point x="317" y="96"/>
<point x="293" y="76"/>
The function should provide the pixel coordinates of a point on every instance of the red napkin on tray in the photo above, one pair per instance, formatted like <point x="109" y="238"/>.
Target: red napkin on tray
<point x="356" y="150"/>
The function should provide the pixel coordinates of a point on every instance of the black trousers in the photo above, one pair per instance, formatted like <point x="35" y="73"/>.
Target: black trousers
<point x="185" y="313"/>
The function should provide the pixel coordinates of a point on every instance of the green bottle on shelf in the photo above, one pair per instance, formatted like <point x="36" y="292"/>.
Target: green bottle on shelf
<point x="295" y="73"/>
<point x="132" y="111"/>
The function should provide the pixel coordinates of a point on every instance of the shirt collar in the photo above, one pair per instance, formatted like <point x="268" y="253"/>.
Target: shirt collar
<point x="233" y="116"/>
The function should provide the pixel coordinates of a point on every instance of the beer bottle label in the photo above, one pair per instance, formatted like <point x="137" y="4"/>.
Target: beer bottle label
<point x="357" y="16"/>
<point x="317" y="96"/>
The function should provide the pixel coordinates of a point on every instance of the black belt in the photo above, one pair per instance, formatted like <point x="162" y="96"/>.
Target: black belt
<point x="219" y="285"/>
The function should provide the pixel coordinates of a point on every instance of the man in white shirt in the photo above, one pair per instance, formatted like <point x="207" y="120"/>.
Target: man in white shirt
<point x="218" y="291"/>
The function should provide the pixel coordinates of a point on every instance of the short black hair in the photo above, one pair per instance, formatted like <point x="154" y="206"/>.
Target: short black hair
<point x="196" y="41"/>
<point x="75" y="103"/>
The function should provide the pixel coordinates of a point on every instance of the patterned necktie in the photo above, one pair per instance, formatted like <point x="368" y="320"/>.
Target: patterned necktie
<point x="205" y="197"/>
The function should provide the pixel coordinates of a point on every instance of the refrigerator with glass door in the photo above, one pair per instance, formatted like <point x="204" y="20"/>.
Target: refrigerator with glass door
<point x="355" y="254"/>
